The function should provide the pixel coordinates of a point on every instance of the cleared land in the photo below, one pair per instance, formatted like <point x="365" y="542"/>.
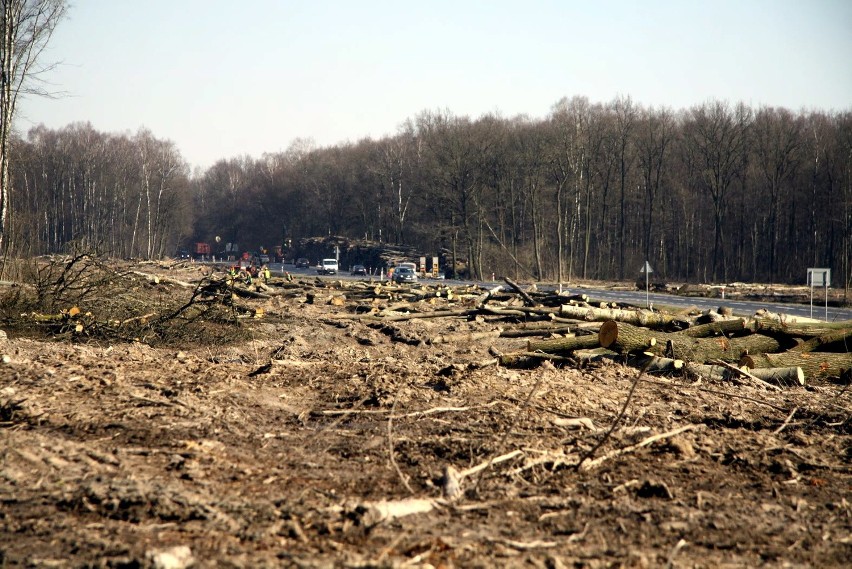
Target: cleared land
<point x="282" y="431"/>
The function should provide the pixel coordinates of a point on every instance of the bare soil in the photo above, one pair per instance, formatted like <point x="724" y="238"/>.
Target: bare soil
<point x="278" y="450"/>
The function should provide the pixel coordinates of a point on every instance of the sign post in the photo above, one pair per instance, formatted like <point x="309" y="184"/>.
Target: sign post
<point x="819" y="277"/>
<point x="646" y="268"/>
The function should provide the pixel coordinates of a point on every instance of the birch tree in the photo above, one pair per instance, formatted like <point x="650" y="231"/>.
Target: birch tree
<point x="27" y="27"/>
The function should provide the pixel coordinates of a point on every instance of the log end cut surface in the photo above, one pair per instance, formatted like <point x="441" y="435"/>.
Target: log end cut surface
<point x="608" y="333"/>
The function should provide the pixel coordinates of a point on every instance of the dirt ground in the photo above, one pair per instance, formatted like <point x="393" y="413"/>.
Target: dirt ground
<point x="301" y="446"/>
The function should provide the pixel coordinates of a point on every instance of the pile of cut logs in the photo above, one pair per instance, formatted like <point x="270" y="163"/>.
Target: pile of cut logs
<point x="768" y="348"/>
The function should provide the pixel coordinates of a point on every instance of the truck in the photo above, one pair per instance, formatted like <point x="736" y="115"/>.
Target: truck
<point x="327" y="267"/>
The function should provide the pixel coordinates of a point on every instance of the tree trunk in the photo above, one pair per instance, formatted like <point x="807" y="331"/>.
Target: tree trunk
<point x="718" y="328"/>
<point x="624" y="338"/>
<point x="795" y="329"/>
<point x="639" y="317"/>
<point x="815" y="364"/>
<point x="836" y="336"/>
<point x="558" y="345"/>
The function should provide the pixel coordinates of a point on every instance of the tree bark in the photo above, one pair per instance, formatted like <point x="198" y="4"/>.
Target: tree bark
<point x="835" y="337"/>
<point x="638" y="317"/>
<point x="624" y="338"/>
<point x="464" y="337"/>
<point x="814" y="365"/>
<point x="558" y="345"/>
<point x="527" y="299"/>
<point x="795" y="329"/>
<point x="715" y="328"/>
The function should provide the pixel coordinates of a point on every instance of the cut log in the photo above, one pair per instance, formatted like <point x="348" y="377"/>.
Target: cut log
<point x="785" y="318"/>
<point x="435" y="314"/>
<point x="814" y="364"/>
<point x="535" y="332"/>
<point x="558" y="345"/>
<point x="772" y="326"/>
<point x="527" y="359"/>
<point x="843" y="336"/>
<point x="156" y="279"/>
<point x="464" y="337"/>
<point x="707" y="372"/>
<point x="651" y="363"/>
<point x="718" y="328"/>
<point x="483" y="298"/>
<point x="781" y="375"/>
<point x="527" y="299"/>
<point x="584" y="357"/>
<point x="645" y="318"/>
<point x="625" y="338"/>
<point x="784" y="376"/>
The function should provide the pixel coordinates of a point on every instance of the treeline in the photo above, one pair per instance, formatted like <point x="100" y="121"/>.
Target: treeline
<point x="122" y="195"/>
<point x="717" y="192"/>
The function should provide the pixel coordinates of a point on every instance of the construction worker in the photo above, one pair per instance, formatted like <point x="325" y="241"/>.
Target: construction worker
<point x="266" y="273"/>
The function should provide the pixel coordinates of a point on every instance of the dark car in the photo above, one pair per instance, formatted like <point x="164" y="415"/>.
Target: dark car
<point x="359" y="270"/>
<point x="404" y="275"/>
<point x="302" y="263"/>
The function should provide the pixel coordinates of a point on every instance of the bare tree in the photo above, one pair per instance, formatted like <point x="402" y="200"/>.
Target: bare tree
<point x="777" y="137"/>
<point x="656" y="134"/>
<point x="27" y="27"/>
<point x="625" y="115"/>
<point x="713" y="150"/>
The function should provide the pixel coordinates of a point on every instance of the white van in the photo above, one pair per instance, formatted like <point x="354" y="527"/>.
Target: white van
<point x="327" y="267"/>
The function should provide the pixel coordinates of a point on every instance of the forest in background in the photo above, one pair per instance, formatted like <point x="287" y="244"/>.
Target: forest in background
<point x="718" y="192"/>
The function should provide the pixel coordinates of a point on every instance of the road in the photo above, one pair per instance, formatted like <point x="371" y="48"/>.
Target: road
<point x="637" y="298"/>
<point x="740" y="307"/>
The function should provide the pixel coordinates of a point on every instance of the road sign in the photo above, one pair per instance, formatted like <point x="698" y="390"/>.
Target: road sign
<point x="819" y="277"/>
<point x="647" y="270"/>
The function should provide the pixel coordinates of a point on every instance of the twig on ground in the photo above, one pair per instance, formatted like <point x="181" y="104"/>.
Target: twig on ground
<point x="390" y="449"/>
<point x="786" y="421"/>
<point x="618" y="418"/>
<point x="588" y="465"/>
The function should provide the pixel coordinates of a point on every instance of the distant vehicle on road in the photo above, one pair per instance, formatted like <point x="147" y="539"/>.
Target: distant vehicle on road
<point x="404" y="275"/>
<point x="359" y="270"/>
<point x="327" y="267"/>
<point x="302" y="263"/>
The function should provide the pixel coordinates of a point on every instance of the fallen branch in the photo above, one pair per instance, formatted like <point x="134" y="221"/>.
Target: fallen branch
<point x="374" y="513"/>
<point x="156" y="279"/>
<point x="452" y="479"/>
<point x="594" y="463"/>
<point x="527" y="298"/>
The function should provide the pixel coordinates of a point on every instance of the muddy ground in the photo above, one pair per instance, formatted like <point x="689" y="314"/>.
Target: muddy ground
<point x="288" y="447"/>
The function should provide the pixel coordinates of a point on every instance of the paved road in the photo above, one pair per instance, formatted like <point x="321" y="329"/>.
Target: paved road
<point x="637" y="298"/>
<point x="744" y="308"/>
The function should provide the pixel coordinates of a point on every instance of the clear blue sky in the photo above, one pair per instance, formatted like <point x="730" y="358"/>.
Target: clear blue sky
<point x="223" y="78"/>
